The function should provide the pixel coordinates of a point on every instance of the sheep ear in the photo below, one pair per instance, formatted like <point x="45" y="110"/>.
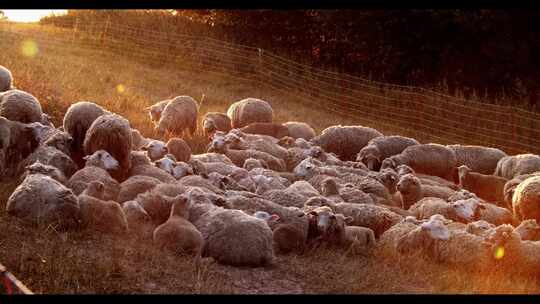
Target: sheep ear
<point x="86" y="157"/>
<point x="348" y="219"/>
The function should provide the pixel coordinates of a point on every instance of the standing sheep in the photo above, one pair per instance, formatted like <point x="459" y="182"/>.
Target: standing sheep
<point x="156" y="109"/>
<point x="111" y="133"/>
<point x="479" y="159"/>
<point x="6" y="79"/>
<point x="20" y="106"/>
<point x="178" y="115"/>
<point x="248" y="111"/>
<point x="300" y="130"/>
<point x="380" y="148"/>
<point x="214" y="121"/>
<point x="345" y="141"/>
<point x="266" y="128"/>
<point x="512" y="166"/>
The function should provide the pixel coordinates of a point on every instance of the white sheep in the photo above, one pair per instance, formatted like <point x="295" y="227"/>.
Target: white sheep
<point x="248" y="111"/>
<point x="20" y="106"/>
<point x="178" y="115"/>
<point x="526" y="199"/>
<point x="511" y="185"/>
<point x="479" y="159"/>
<point x="155" y="149"/>
<point x="51" y="171"/>
<point x="512" y="166"/>
<point x="212" y="158"/>
<point x="235" y="142"/>
<point x="275" y="130"/>
<point x="382" y="147"/>
<point x="17" y="141"/>
<point x="345" y="141"/>
<point x="139" y="222"/>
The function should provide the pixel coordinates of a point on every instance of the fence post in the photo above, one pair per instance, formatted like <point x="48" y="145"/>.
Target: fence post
<point x="75" y="29"/>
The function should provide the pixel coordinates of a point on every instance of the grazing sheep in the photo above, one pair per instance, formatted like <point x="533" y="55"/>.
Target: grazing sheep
<point x="155" y="149"/>
<point x="133" y="186"/>
<point x="6" y="79"/>
<point x="96" y="169"/>
<point x="380" y="148"/>
<point x="411" y="191"/>
<point x="177" y="233"/>
<point x="529" y="230"/>
<point x="486" y="187"/>
<point x="248" y="111"/>
<point x="526" y="199"/>
<point x="512" y="166"/>
<point x="111" y="133"/>
<point x="300" y="130"/>
<point x="214" y="121"/>
<point x="100" y="214"/>
<point x="266" y="128"/>
<point x="479" y="159"/>
<point x="178" y="115"/>
<point x="20" y="106"/>
<point x="432" y="159"/>
<point x="40" y="199"/>
<point x="156" y="109"/>
<point x="77" y="120"/>
<point x="180" y="149"/>
<point x="345" y="141"/>
<point x="51" y="171"/>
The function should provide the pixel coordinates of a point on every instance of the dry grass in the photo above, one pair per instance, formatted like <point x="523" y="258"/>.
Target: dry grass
<point x="82" y="262"/>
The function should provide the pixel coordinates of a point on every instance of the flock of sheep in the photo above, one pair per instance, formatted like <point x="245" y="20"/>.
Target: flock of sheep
<point x="265" y="188"/>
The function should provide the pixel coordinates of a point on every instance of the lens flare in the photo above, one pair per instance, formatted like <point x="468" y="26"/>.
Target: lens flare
<point x="29" y="48"/>
<point x="499" y="253"/>
<point x="120" y="88"/>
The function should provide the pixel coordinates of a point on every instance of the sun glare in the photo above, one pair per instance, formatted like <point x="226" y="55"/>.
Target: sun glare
<point x="24" y="15"/>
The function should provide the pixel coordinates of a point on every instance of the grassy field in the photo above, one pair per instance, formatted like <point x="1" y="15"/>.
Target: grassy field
<point x="60" y="74"/>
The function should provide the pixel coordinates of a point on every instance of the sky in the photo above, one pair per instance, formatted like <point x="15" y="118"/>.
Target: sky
<point x="25" y="15"/>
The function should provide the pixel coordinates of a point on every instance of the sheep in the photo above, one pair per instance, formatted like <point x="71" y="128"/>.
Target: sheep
<point x="211" y="158"/>
<point x="198" y="181"/>
<point x="51" y="156"/>
<point x="331" y="190"/>
<point x="231" y="237"/>
<point x="510" y="186"/>
<point x="6" y="79"/>
<point x="237" y="143"/>
<point x="425" y="179"/>
<point x="180" y="149"/>
<point x="311" y="167"/>
<point x="224" y="182"/>
<point x="39" y="199"/>
<point x="432" y="159"/>
<point x="111" y="133"/>
<point x="327" y="226"/>
<point x="77" y="120"/>
<point x="20" y="106"/>
<point x="178" y="115"/>
<point x="266" y="128"/>
<point x="226" y="169"/>
<point x="345" y="141"/>
<point x="479" y="159"/>
<point x="156" y="109"/>
<point x="411" y="190"/>
<point x="214" y="121"/>
<point x="299" y="130"/>
<point x="139" y="222"/>
<point x="512" y="166"/>
<point x="138" y="141"/>
<point x="17" y="141"/>
<point x="371" y="186"/>
<point x="388" y="177"/>
<point x="155" y="149"/>
<point x="51" y="171"/>
<point x="252" y="163"/>
<point x="96" y="169"/>
<point x="486" y="187"/>
<point x="61" y="141"/>
<point x="360" y="239"/>
<point x="133" y="186"/>
<point x="97" y="213"/>
<point x="294" y="195"/>
<point x="155" y="202"/>
<point x="526" y="199"/>
<point x="480" y="228"/>
<point x="248" y="111"/>
<point x="46" y="120"/>
<point x="248" y="137"/>
<point x="177" y="233"/>
<point x="529" y="230"/>
<point x="151" y="171"/>
<point x="380" y="148"/>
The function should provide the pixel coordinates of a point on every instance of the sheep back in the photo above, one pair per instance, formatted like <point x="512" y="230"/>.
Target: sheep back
<point x="300" y="130"/>
<point x="345" y="141"/>
<point x="248" y="111"/>
<point x="20" y="106"/>
<point x="179" y="114"/>
<point x="479" y="159"/>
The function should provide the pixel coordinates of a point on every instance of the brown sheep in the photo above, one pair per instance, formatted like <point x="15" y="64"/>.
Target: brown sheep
<point x="486" y="187"/>
<point x="180" y="149"/>
<point x="214" y="121"/>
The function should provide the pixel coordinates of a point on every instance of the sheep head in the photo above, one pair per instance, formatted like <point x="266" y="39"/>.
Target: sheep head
<point x="103" y="160"/>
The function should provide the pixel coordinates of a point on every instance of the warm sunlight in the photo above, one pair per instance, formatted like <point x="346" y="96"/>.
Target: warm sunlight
<point x="24" y="15"/>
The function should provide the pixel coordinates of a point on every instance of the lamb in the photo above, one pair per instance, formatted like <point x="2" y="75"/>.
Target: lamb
<point x="6" y="79"/>
<point x="155" y="201"/>
<point x="180" y="149"/>
<point x="155" y="149"/>
<point x="479" y="159"/>
<point x="512" y="166"/>
<point x="156" y="109"/>
<point x="411" y="191"/>
<point x="380" y="148"/>
<point x="432" y="159"/>
<point x="96" y="169"/>
<point x="51" y="171"/>
<point x="487" y="187"/>
<point x="111" y="133"/>
<point x="133" y="186"/>
<point x="299" y="130"/>
<point x="526" y="199"/>
<point x="266" y="128"/>
<point x="39" y="199"/>
<point x="99" y="214"/>
<point x="20" y="106"/>
<point x="178" y="115"/>
<point x="248" y="111"/>
<point x="77" y="120"/>
<point x="214" y="121"/>
<point x="529" y="230"/>
<point x="177" y="233"/>
<point x="345" y="141"/>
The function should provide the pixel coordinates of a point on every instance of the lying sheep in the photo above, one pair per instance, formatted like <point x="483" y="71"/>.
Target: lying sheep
<point x="248" y="111"/>
<point x="425" y="179"/>
<point x="266" y="128"/>
<point x="96" y="169"/>
<point x="133" y="186"/>
<point x="138" y="219"/>
<point x="299" y="130"/>
<point x="432" y="159"/>
<point x="17" y="141"/>
<point x="334" y="192"/>
<point x="155" y="149"/>
<point x="529" y="230"/>
<point x="214" y="121"/>
<point x="227" y="169"/>
<point x="155" y="201"/>
<point x="97" y="213"/>
<point x="40" y="199"/>
<point x="20" y="106"/>
<point x="172" y="167"/>
<point x="411" y="191"/>
<point x="143" y="166"/>
<point x="156" y="109"/>
<point x="198" y="181"/>
<point x="51" y="156"/>
<point x="180" y="149"/>
<point x="487" y="187"/>
<point x="212" y="158"/>
<point x="111" y="133"/>
<point x="479" y="159"/>
<point x="360" y="239"/>
<point x="6" y="79"/>
<point x="51" y="171"/>
<point x="526" y="199"/>
<point x="511" y="185"/>
<point x="179" y="114"/>
<point x="382" y="147"/>
<point x="177" y="233"/>
<point x="294" y="195"/>
<point x="237" y="143"/>
<point x="511" y="166"/>
<point x="480" y="228"/>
